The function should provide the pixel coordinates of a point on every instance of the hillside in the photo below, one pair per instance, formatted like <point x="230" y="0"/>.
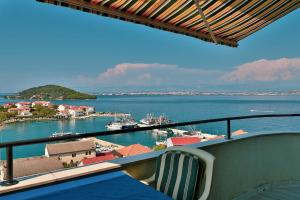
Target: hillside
<point x="51" y="92"/>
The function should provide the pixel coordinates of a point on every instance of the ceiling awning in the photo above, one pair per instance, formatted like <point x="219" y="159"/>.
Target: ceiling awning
<point x="220" y="21"/>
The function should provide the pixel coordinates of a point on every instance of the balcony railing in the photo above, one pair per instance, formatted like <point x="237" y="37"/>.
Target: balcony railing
<point x="10" y="145"/>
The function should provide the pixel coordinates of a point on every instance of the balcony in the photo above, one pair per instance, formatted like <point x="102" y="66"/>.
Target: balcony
<point x="249" y="166"/>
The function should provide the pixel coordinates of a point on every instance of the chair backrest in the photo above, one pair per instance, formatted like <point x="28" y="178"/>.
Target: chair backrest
<point x="178" y="169"/>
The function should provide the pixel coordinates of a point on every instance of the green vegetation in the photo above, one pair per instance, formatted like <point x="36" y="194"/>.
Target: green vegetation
<point x="71" y="164"/>
<point x="6" y="116"/>
<point x="2" y="109"/>
<point x="40" y="111"/>
<point x="51" y="92"/>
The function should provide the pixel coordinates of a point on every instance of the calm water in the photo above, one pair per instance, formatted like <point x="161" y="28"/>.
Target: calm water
<point x="176" y="108"/>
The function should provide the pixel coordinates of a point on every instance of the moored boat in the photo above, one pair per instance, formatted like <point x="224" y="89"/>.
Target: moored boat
<point x="122" y="123"/>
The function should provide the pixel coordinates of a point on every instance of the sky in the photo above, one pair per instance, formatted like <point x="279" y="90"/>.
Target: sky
<point x="44" y="44"/>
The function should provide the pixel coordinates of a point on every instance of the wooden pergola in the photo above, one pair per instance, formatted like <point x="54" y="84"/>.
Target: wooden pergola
<point x="220" y="21"/>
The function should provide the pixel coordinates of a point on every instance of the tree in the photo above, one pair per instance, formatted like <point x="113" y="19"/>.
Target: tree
<point x="41" y="111"/>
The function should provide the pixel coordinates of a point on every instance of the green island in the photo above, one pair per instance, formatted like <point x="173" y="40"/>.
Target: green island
<point x="50" y="92"/>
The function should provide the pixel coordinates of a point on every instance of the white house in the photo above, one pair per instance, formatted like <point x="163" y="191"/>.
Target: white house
<point x="88" y="109"/>
<point x="41" y="103"/>
<point x="63" y="107"/>
<point x="23" y="104"/>
<point x="25" y="113"/>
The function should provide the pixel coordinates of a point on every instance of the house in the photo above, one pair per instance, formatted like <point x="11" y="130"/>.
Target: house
<point x="8" y="105"/>
<point x="69" y="152"/>
<point x="239" y="132"/>
<point x="31" y="166"/>
<point x="63" y="113"/>
<point x="132" y="150"/>
<point x="88" y="109"/>
<point x="76" y="111"/>
<point x="180" y="141"/>
<point x="23" y="104"/>
<point x="41" y="103"/>
<point x="24" y="113"/>
<point x="100" y="158"/>
<point x="13" y="110"/>
<point x="63" y="107"/>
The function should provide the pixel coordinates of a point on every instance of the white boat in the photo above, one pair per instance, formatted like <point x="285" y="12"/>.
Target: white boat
<point x="59" y="134"/>
<point x="151" y="120"/>
<point x="121" y="124"/>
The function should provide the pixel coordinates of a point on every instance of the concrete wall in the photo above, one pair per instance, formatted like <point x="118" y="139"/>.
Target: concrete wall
<point x="243" y="164"/>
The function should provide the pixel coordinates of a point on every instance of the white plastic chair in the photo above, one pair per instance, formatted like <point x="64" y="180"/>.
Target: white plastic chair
<point x="202" y="155"/>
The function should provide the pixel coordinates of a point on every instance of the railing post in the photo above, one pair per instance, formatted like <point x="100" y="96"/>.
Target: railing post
<point x="9" y="167"/>
<point x="228" y="129"/>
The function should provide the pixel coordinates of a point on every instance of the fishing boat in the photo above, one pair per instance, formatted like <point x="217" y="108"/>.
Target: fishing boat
<point x="122" y="123"/>
<point x="151" y="120"/>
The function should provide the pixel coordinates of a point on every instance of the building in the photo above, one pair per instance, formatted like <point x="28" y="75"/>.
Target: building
<point x="30" y="166"/>
<point x="69" y="152"/>
<point x="88" y="109"/>
<point x="100" y="158"/>
<point x="41" y="103"/>
<point x="8" y="105"/>
<point x="239" y="132"/>
<point x="63" y="107"/>
<point x="23" y="104"/>
<point x="13" y="110"/>
<point x="132" y="150"/>
<point x="180" y="141"/>
<point x="76" y="111"/>
<point x="25" y="113"/>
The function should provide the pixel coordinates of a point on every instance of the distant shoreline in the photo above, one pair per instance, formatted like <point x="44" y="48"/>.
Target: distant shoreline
<point x="30" y="119"/>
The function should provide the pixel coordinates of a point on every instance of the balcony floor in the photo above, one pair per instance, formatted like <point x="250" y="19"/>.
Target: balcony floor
<point x="285" y="191"/>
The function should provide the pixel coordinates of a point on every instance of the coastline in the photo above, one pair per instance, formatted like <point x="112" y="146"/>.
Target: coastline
<point x="99" y="114"/>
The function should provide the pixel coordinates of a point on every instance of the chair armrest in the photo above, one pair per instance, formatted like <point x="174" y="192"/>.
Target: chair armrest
<point x="149" y="180"/>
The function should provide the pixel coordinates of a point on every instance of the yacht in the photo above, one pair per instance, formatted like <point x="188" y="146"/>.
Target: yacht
<point x="122" y="123"/>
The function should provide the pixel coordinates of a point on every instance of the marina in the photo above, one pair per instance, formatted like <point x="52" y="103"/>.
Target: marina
<point x="139" y="107"/>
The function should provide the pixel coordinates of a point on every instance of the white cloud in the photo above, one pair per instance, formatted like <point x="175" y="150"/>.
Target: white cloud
<point x="283" y="69"/>
<point x="154" y="74"/>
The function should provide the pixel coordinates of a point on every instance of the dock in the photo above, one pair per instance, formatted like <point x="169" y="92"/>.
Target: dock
<point x="106" y="143"/>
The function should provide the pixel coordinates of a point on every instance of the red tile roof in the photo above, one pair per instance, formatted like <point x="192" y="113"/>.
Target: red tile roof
<point x="179" y="141"/>
<point x="102" y="158"/>
<point x="214" y="138"/>
<point x="134" y="149"/>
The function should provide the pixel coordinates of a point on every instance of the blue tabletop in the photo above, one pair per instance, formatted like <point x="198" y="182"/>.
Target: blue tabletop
<point x="113" y="185"/>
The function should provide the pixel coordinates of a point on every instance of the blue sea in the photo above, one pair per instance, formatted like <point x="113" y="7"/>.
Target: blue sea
<point x="176" y="108"/>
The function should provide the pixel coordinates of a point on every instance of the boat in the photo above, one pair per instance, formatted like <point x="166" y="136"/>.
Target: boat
<point x="151" y="120"/>
<point x="122" y="123"/>
<point x="59" y="134"/>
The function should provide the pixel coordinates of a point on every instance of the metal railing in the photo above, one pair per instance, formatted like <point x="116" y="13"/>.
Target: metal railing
<point x="10" y="145"/>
